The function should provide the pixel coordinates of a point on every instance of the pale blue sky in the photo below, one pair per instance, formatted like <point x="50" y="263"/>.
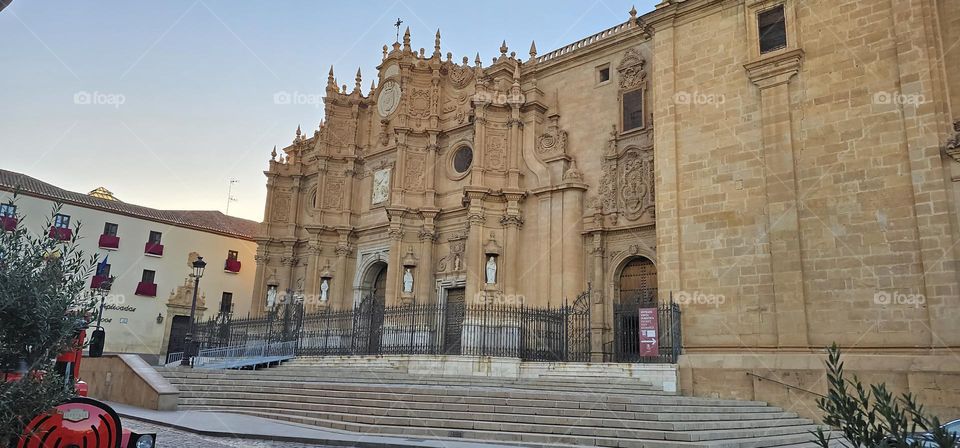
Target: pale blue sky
<point x="181" y="92"/>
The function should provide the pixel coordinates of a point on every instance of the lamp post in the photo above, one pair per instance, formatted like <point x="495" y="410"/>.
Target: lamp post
<point x="188" y="340"/>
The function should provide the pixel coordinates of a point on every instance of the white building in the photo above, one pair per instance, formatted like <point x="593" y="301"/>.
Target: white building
<point x="149" y="252"/>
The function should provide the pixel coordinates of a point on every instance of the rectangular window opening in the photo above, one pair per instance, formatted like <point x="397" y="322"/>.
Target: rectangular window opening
<point x="148" y="276"/>
<point x="110" y="229"/>
<point x="772" y="29"/>
<point x="61" y="221"/>
<point x="632" y="110"/>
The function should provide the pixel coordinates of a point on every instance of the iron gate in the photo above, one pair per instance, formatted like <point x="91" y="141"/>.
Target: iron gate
<point x="626" y="332"/>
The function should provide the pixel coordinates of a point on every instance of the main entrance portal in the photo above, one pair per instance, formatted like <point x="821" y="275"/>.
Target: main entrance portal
<point x="638" y="288"/>
<point x="368" y="321"/>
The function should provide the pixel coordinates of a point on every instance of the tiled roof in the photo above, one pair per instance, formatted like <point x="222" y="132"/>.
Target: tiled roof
<point x="206" y="220"/>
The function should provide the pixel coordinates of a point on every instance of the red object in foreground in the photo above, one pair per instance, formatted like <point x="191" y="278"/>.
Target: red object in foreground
<point x="109" y="241"/>
<point x="649" y="332"/>
<point x="147" y="289"/>
<point x="153" y="249"/>
<point x="9" y="223"/>
<point x="78" y="422"/>
<point x="61" y="233"/>
<point x="232" y="265"/>
<point x="97" y="280"/>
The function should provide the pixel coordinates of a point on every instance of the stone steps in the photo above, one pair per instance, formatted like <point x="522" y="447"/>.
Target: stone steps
<point x="493" y="433"/>
<point x="679" y="414"/>
<point x="541" y="411"/>
<point x="339" y="410"/>
<point x="427" y="394"/>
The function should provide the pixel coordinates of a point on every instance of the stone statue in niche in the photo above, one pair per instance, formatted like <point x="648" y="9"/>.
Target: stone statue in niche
<point x="407" y="280"/>
<point x="324" y="289"/>
<point x="271" y="296"/>
<point x="491" y="270"/>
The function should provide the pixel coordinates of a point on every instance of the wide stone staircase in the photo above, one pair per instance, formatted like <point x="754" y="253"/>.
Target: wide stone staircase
<point x="576" y="405"/>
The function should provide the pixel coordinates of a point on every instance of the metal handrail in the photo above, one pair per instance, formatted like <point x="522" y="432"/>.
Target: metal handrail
<point x="760" y="377"/>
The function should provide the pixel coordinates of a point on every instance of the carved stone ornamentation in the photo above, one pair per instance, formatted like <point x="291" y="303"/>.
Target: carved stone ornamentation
<point x="416" y="164"/>
<point x="627" y="184"/>
<point x="511" y="221"/>
<point x="553" y="140"/>
<point x="496" y="153"/>
<point x="396" y="234"/>
<point x="952" y="147"/>
<point x="632" y="74"/>
<point x="460" y="75"/>
<point x="453" y="262"/>
<point x="636" y="182"/>
<point x="343" y="250"/>
<point x="281" y="208"/>
<point x="333" y="193"/>
<point x="419" y="103"/>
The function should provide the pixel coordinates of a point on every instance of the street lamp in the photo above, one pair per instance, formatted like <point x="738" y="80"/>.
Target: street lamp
<point x="188" y="340"/>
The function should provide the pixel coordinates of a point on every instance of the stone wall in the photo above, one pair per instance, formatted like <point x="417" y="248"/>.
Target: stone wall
<point x="933" y="378"/>
<point x="129" y="380"/>
<point x="801" y="196"/>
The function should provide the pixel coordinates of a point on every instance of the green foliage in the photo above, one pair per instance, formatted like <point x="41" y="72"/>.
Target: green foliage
<point x="872" y="417"/>
<point x="42" y="306"/>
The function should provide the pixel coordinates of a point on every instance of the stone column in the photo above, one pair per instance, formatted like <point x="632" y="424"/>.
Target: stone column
<point x="512" y="222"/>
<point x="395" y="265"/>
<point x="772" y="76"/>
<point x="340" y="290"/>
<point x="473" y="259"/>
<point x="311" y="285"/>
<point x="425" y="270"/>
<point x="598" y="306"/>
<point x="259" y="287"/>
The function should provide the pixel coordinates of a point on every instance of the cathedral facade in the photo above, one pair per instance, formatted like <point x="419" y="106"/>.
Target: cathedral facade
<point x="786" y="170"/>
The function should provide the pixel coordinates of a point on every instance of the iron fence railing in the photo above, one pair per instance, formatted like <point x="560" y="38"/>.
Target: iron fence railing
<point x="556" y="333"/>
<point x="552" y="333"/>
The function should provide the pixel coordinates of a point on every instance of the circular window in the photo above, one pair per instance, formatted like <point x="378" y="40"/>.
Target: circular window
<point x="462" y="159"/>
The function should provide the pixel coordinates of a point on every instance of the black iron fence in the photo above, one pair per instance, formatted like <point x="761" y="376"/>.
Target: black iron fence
<point x="557" y="333"/>
<point x="560" y="333"/>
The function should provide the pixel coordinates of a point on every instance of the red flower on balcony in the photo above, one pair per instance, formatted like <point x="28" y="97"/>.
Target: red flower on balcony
<point x="146" y="289"/>
<point x="109" y="241"/>
<point x="61" y="233"/>
<point x="232" y="266"/>
<point x="9" y="223"/>
<point x="153" y="249"/>
<point x="97" y="281"/>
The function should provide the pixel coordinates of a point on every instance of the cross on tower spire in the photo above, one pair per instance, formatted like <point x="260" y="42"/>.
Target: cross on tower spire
<point x="397" y="25"/>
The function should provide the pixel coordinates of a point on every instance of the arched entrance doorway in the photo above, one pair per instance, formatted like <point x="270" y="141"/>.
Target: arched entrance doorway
<point x="637" y="288"/>
<point x="638" y="282"/>
<point x="368" y="324"/>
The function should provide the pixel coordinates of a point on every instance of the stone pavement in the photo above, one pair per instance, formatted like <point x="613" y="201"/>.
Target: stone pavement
<point x="168" y="437"/>
<point x="231" y="427"/>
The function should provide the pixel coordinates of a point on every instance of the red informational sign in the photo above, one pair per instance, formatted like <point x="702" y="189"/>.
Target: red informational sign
<point x="649" y="332"/>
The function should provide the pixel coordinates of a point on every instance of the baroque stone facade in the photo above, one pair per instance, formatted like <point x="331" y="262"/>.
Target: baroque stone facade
<point x="787" y="198"/>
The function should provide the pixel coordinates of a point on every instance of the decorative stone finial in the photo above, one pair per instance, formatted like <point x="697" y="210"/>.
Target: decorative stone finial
<point x="273" y="154"/>
<point x="406" y="39"/>
<point x="384" y="51"/>
<point x="633" y="13"/>
<point x="503" y="49"/>
<point x="298" y="131"/>
<point x="372" y="87"/>
<point x="533" y="49"/>
<point x="436" y="44"/>
<point x="358" y="79"/>
<point x="331" y="82"/>
<point x="477" y="61"/>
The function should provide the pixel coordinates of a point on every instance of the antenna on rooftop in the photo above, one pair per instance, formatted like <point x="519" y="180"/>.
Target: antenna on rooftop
<point x="230" y="197"/>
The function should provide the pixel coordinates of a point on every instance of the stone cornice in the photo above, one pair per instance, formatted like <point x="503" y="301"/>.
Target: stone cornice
<point x="775" y="69"/>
